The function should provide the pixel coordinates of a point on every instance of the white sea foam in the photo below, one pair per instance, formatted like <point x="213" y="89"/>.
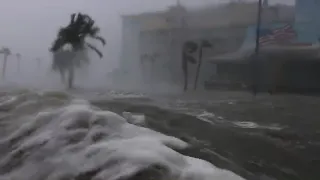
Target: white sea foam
<point x="75" y="138"/>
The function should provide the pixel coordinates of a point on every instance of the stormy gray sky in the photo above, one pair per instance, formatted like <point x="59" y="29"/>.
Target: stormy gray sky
<point x="29" y="26"/>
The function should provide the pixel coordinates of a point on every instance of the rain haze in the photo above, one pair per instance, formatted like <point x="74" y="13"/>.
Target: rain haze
<point x="29" y="28"/>
<point x="159" y="89"/>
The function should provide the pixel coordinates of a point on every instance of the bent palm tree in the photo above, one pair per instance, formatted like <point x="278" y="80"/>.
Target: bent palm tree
<point x="188" y="49"/>
<point x="80" y="28"/>
<point x="203" y="44"/>
<point x="6" y="52"/>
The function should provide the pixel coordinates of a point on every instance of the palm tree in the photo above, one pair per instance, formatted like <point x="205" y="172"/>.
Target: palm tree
<point x="188" y="49"/>
<point x="80" y="28"/>
<point x="203" y="44"/>
<point x="6" y="52"/>
<point x="18" y="56"/>
<point x="61" y="60"/>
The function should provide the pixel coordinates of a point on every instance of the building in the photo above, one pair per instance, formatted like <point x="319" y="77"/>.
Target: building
<point x="152" y="41"/>
<point x="291" y="66"/>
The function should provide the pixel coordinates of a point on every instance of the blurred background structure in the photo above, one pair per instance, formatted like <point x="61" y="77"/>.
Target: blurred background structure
<point x="152" y="41"/>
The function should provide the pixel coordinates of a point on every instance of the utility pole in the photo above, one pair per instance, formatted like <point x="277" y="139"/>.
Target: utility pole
<point x="255" y="60"/>
<point x="257" y="48"/>
<point x="178" y="22"/>
<point x="182" y="27"/>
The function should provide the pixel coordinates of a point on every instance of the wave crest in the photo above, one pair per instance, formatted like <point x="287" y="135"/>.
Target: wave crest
<point x="79" y="141"/>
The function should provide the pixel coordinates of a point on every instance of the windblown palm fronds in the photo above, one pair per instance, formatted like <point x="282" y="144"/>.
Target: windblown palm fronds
<point x="80" y="27"/>
<point x="6" y="52"/>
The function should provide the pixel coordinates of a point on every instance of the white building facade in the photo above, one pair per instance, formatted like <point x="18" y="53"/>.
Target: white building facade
<point x="157" y="36"/>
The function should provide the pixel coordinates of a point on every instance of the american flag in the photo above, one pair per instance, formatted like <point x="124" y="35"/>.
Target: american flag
<point x="282" y="35"/>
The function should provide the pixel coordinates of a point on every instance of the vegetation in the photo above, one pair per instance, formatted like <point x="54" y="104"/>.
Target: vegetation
<point x="188" y="49"/>
<point x="6" y="52"/>
<point x="203" y="44"/>
<point x="75" y="34"/>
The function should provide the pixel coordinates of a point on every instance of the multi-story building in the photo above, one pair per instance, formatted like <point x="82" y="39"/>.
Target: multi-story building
<point x="152" y="41"/>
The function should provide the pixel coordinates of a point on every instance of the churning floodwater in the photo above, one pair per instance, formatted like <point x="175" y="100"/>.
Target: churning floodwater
<point x="55" y="136"/>
<point x="114" y="135"/>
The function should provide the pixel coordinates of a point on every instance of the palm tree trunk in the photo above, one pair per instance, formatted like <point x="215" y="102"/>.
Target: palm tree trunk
<point x="198" y="68"/>
<point x="4" y="66"/>
<point x="185" y="75"/>
<point x="62" y="76"/>
<point x="185" y="71"/>
<point x="70" y="77"/>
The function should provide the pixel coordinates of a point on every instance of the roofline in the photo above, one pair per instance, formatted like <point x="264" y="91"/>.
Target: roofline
<point x="160" y="12"/>
<point x="234" y="25"/>
<point x="197" y="9"/>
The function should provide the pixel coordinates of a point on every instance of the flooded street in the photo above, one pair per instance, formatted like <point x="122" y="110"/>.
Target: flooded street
<point x="268" y="137"/>
<point x="92" y="90"/>
<point x="193" y="136"/>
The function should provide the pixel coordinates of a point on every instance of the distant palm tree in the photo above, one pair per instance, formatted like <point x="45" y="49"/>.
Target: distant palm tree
<point x="203" y="44"/>
<point x="188" y="49"/>
<point x="6" y="52"/>
<point x="80" y="28"/>
<point x="18" y="56"/>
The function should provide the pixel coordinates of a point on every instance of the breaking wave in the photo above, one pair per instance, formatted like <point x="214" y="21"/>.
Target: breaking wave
<point x="54" y="136"/>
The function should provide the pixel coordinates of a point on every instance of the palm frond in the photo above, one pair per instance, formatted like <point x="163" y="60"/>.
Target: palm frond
<point x="101" y="39"/>
<point x="59" y="42"/>
<point x="72" y="18"/>
<point x="94" y="31"/>
<point x="190" y="46"/>
<point x="95" y="49"/>
<point x="190" y="59"/>
<point x="75" y="33"/>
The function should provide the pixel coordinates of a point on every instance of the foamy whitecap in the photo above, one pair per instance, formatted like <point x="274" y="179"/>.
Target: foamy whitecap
<point x="250" y="125"/>
<point x="79" y="140"/>
<point x="137" y="119"/>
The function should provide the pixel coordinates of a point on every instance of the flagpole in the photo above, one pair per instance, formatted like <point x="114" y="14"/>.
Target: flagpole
<point x="257" y="48"/>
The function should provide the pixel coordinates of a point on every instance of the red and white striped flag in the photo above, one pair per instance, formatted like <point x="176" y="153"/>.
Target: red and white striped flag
<point x="282" y="35"/>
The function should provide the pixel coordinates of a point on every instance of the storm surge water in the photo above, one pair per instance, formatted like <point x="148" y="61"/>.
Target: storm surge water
<point x="56" y="137"/>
